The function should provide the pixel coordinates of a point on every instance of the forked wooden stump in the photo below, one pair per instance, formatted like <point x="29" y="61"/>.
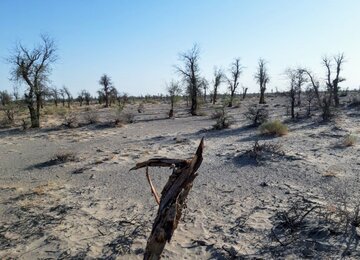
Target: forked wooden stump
<point x="173" y="197"/>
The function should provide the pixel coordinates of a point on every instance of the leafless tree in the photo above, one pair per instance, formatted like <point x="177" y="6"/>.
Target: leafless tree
<point x="33" y="67"/>
<point x="245" y="89"/>
<point x="315" y="84"/>
<point x="55" y="95"/>
<point x="16" y="93"/>
<point x="218" y="79"/>
<point x="5" y="98"/>
<point x="204" y="84"/>
<point x="174" y="91"/>
<point x="87" y="96"/>
<point x="68" y="95"/>
<point x="113" y="94"/>
<point x="105" y="81"/>
<point x="190" y="73"/>
<point x="333" y="84"/>
<point x="262" y="78"/>
<point x="233" y="81"/>
<point x="297" y="79"/>
<point x="310" y="95"/>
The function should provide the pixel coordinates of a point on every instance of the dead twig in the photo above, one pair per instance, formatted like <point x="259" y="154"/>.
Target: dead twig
<point x="153" y="190"/>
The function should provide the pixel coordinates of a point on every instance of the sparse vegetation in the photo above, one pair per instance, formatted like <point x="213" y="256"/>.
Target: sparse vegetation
<point x="256" y="115"/>
<point x="65" y="156"/>
<point x="274" y="127"/>
<point x="91" y="117"/>
<point x="71" y="120"/>
<point x="223" y="119"/>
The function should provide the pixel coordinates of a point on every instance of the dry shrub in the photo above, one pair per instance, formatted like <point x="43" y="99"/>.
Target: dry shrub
<point x="274" y="127"/>
<point x="25" y="124"/>
<point x="124" y="118"/>
<point x="61" y="111"/>
<point x="355" y="102"/>
<point x="141" y="108"/>
<point x="71" y="120"/>
<point x="65" y="156"/>
<point x="350" y="140"/>
<point x="264" y="152"/>
<point x="91" y="117"/>
<point x="223" y="120"/>
<point x="257" y="115"/>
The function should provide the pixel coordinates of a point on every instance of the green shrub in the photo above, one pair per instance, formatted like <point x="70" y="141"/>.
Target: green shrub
<point x="274" y="127"/>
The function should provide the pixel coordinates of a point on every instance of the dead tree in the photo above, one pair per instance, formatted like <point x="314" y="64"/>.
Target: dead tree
<point x="315" y="85"/>
<point x="173" y="198"/>
<point x="233" y="80"/>
<point x="55" y="95"/>
<point x="244" y="92"/>
<point x="297" y="80"/>
<point x="190" y="74"/>
<point x="310" y="95"/>
<point x="262" y="78"/>
<point x="292" y="76"/>
<point x="66" y="92"/>
<point x="333" y="84"/>
<point x="218" y="79"/>
<point x="204" y="84"/>
<point x="33" y="67"/>
<point x="105" y="82"/>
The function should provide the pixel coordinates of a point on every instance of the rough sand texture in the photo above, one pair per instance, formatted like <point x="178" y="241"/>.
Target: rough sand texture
<point x="94" y="207"/>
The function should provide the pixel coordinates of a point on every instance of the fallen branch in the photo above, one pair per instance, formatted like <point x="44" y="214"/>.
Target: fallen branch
<point x="173" y="197"/>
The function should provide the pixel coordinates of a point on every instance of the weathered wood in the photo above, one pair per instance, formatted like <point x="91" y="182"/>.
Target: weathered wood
<point x="173" y="198"/>
<point x="153" y="190"/>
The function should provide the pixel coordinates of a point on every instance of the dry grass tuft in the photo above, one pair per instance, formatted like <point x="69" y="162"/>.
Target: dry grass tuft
<point x="63" y="157"/>
<point x="350" y="140"/>
<point x="274" y="127"/>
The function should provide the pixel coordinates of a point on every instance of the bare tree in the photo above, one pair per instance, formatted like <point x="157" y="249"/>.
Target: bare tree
<point x="80" y="98"/>
<point x="55" y="95"/>
<point x="310" y="95"/>
<point x="218" y="79"/>
<point x="5" y="98"/>
<point x="315" y="84"/>
<point x="16" y="93"/>
<point x="245" y="89"/>
<point x="262" y="78"/>
<point x="33" y="67"/>
<point x="174" y="91"/>
<point x="66" y="92"/>
<point x="297" y="80"/>
<point x="233" y="81"/>
<point x="190" y="74"/>
<point x="333" y="84"/>
<point x="204" y="84"/>
<point x="87" y="96"/>
<point x="105" y="81"/>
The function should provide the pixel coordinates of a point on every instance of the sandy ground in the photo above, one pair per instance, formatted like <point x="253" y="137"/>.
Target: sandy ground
<point x="93" y="207"/>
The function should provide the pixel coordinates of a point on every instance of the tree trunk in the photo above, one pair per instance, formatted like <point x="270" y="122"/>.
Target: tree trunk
<point x="336" y="95"/>
<point x="231" y="99"/>
<point x="214" y="96"/>
<point x="262" y="96"/>
<point x="35" y="123"/>
<point x="173" y="198"/>
<point x="293" y="107"/>
<point x="194" y="105"/>
<point x="244" y="93"/>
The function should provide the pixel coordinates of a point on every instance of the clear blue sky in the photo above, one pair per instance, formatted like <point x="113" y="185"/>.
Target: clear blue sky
<point x="138" y="42"/>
